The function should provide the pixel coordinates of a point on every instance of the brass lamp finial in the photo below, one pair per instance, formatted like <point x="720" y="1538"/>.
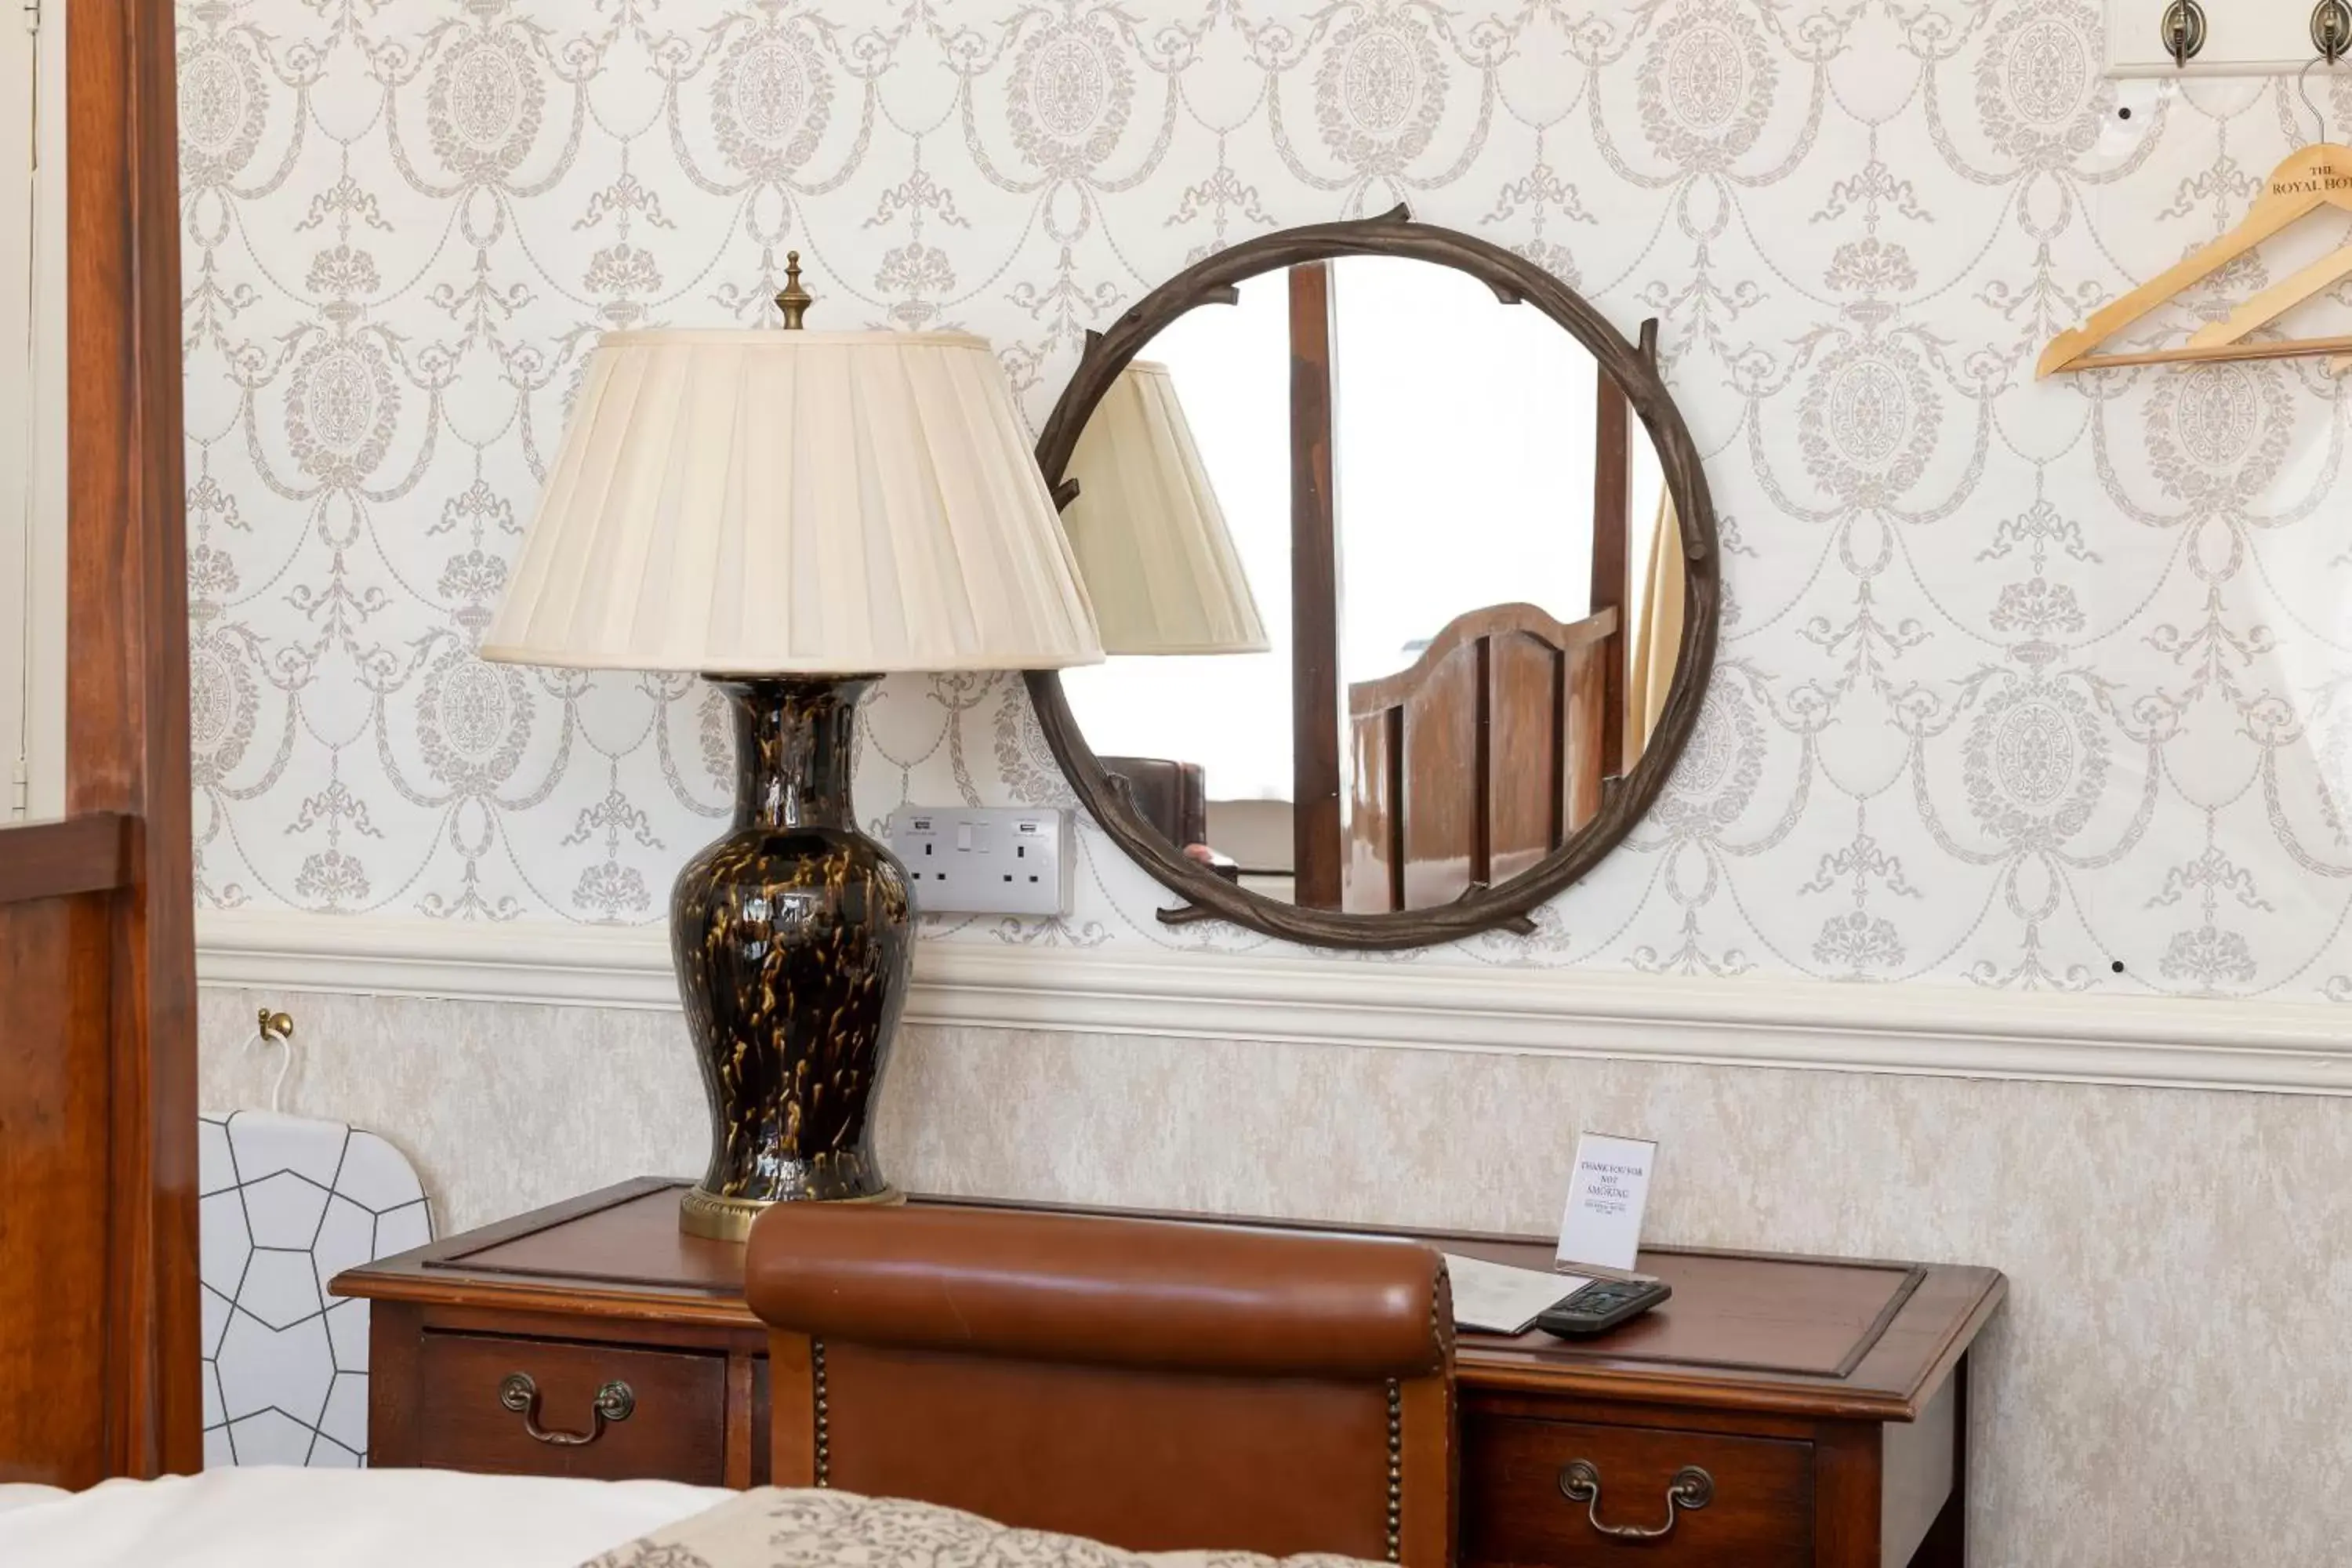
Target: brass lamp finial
<point x="795" y="301"/>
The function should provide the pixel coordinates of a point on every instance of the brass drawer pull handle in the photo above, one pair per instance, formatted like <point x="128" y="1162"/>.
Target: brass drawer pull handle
<point x="1579" y="1481"/>
<point x="614" y="1402"/>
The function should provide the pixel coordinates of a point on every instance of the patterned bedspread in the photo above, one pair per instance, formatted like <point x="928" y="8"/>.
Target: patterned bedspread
<point x="771" y="1527"/>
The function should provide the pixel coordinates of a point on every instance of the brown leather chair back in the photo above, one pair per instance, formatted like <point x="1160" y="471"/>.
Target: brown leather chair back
<point x="1171" y="796"/>
<point x="1153" y="1384"/>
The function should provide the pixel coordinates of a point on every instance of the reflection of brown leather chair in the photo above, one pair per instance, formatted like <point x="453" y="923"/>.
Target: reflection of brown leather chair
<point x="1154" y="1386"/>
<point x="1171" y="796"/>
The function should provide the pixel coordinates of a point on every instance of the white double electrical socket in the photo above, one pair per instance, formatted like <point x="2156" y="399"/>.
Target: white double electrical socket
<point x="983" y="861"/>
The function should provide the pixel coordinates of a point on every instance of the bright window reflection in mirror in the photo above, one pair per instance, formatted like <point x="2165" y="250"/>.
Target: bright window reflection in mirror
<point x="1464" y="443"/>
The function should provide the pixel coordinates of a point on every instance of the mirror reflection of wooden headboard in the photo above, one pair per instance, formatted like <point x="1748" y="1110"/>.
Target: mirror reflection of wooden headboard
<point x="97" y="1097"/>
<point x="1495" y="736"/>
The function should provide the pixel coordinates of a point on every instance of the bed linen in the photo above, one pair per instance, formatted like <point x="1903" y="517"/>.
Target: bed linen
<point x="283" y="1517"/>
<point x="273" y="1517"/>
<point x="769" y="1527"/>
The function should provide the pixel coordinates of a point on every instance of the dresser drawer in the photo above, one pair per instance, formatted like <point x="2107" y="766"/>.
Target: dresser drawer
<point x="1515" y="1510"/>
<point x="519" y="1406"/>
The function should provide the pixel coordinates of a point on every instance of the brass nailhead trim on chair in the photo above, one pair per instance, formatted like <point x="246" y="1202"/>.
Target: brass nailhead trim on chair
<point x="1396" y="1470"/>
<point x="1441" y="1335"/>
<point x="823" y="1449"/>
<point x="1440" y="1311"/>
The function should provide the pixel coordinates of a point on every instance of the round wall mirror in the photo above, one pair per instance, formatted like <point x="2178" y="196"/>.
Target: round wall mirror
<point x="1407" y="575"/>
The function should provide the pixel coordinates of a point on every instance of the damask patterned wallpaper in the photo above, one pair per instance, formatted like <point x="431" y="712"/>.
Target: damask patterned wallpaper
<point x="2021" y="681"/>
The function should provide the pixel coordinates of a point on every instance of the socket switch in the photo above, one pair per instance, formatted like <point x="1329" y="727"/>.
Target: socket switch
<point x="982" y="860"/>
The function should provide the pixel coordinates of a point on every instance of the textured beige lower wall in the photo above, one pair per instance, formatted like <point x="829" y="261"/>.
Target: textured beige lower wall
<point x="2167" y="1384"/>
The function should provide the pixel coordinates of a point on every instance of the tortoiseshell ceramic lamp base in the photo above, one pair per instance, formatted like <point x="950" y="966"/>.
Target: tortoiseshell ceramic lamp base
<point x="793" y="935"/>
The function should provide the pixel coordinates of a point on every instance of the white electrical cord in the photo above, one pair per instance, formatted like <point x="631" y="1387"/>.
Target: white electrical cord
<point x="20" y="777"/>
<point x="277" y="1084"/>
<point x="276" y="1029"/>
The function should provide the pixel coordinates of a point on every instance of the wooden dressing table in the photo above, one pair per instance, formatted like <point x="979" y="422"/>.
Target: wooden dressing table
<point x="1804" y="1412"/>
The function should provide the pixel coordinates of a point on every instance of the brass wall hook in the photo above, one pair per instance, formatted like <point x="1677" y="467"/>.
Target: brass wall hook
<point x="2331" y="29"/>
<point x="2183" y="30"/>
<point x="278" y="1028"/>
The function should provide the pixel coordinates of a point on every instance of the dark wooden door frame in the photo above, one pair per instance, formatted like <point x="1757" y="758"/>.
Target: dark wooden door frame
<point x="127" y="690"/>
<point x="110" y="888"/>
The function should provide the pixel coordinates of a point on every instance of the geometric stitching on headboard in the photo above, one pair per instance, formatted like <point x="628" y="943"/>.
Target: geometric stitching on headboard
<point x="288" y="1204"/>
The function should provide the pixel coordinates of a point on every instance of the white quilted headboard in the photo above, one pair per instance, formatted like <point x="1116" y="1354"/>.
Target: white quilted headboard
<point x="289" y="1203"/>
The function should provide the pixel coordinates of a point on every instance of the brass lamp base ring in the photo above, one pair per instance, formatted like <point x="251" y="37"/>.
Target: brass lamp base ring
<point x="717" y="1219"/>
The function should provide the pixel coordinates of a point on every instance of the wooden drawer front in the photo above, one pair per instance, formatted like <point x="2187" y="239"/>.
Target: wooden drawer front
<point x="676" y="1428"/>
<point x="1515" y="1512"/>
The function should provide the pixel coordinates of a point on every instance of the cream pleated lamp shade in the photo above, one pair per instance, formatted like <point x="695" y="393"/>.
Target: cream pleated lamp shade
<point x="775" y="503"/>
<point x="1150" y="539"/>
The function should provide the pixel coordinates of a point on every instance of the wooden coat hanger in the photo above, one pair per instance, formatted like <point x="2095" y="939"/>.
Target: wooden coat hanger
<point x="2287" y="293"/>
<point x="2316" y="176"/>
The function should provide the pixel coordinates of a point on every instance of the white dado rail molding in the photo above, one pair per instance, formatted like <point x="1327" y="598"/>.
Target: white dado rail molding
<point x="1420" y="1004"/>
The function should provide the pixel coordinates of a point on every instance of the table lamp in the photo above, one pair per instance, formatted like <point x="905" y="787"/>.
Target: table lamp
<point x="1149" y="537"/>
<point x="792" y="514"/>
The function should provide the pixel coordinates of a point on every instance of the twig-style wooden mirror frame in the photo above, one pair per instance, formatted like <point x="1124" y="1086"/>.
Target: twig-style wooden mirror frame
<point x="1635" y="368"/>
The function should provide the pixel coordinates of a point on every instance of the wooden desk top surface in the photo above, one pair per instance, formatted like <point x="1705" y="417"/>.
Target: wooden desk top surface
<point x="1810" y="1336"/>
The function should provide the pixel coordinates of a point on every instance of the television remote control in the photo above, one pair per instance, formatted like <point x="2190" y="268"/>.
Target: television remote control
<point x="1601" y="1306"/>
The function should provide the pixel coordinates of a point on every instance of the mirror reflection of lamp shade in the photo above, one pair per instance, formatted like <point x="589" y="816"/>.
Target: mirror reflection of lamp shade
<point x="1149" y="538"/>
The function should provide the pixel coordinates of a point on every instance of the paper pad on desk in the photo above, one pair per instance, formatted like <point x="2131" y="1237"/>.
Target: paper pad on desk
<point x="1496" y="1299"/>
